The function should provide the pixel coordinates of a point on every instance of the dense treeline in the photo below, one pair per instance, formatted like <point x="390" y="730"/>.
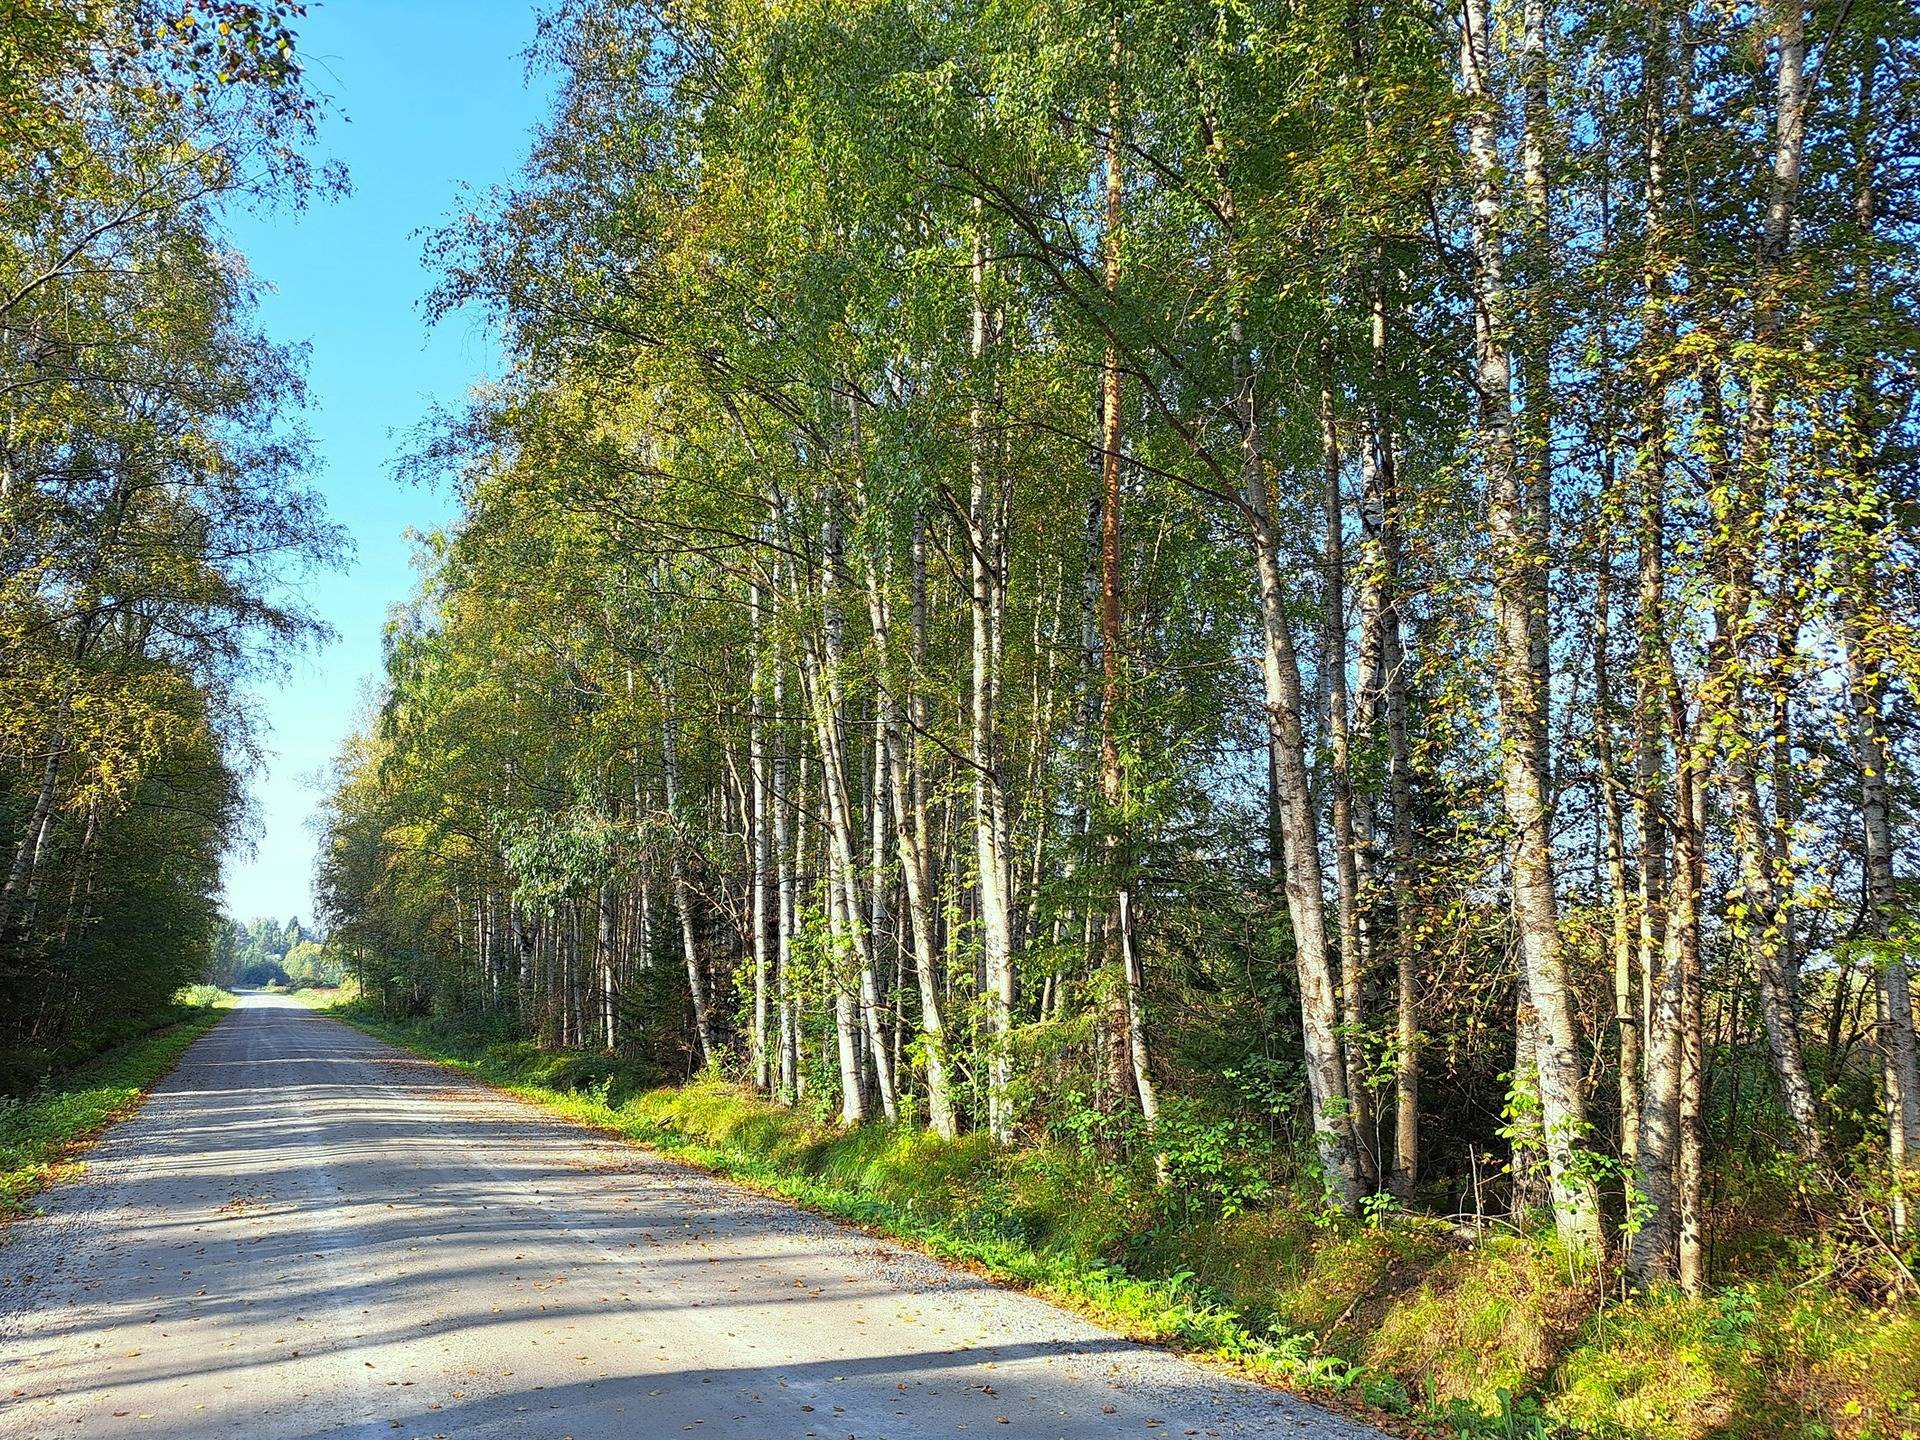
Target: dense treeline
<point x="150" y="492"/>
<point x="266" y="952"/>
<point x="1328" y="580"/>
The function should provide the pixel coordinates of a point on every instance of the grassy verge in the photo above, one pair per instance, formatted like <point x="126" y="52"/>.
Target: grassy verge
<point x="1399" y="1322"/>
<point x="41" y="1134"/>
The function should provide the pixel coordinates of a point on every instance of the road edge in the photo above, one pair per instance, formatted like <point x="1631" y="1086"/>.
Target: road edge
<point x="56" y="1159"/>
<point x="1083" y="1300"/>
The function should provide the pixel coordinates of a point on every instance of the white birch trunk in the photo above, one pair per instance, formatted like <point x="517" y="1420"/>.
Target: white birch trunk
<point x="1518" y="601"/>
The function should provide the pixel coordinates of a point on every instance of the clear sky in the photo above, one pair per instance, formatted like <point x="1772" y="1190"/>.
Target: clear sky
<point x="427" y="95"/>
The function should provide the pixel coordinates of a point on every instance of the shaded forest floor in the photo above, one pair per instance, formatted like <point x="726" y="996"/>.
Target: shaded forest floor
<point x="43" y="1131"/>
<point x="1404" y="1321"/>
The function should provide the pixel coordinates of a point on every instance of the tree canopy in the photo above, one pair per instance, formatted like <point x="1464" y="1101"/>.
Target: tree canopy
<point x="1341" y="573"/>
<point x="152" y="492"/>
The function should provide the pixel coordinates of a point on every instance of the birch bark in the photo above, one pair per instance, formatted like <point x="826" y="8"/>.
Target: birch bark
<point x="1519" y="603"/>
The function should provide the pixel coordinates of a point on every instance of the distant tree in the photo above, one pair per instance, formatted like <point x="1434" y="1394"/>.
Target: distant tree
<point x="225" y="963"/>
<point x="308" y="963"/>
<point x="263" y="972"/>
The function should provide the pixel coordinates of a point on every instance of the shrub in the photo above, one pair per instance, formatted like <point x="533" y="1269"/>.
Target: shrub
<point x="1669" y="1368"/>
<point x="1486" y="1323"/>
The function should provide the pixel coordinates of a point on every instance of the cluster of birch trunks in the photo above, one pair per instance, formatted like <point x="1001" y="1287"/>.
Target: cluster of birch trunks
<point x="1378" y="532"/>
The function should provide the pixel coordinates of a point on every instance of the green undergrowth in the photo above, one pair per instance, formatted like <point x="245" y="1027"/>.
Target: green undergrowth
<point x="27" y="1066"/>
<point x="1402" y="1321"/>
<point x="42" y="1132"/>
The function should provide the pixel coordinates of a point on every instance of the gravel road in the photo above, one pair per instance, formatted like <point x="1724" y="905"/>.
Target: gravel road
<point x="308" y="1233"/>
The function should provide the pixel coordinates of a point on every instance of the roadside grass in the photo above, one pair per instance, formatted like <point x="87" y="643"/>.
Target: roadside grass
<point x="1400" y="1323"/>
<point x="1041" y="1219"/>
<point x="43" y="1132"/>
<point x="325" y="997"/>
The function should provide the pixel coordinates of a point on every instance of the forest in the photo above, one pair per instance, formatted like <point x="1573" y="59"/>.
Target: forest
<point x="153" y="498"/>
<point x="266" y="952"/>
<point x="1313" y="604"/>
<point x="1073" y="561"/>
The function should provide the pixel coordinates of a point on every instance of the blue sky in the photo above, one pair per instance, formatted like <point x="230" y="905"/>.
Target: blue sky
<point x="427" y="95"/>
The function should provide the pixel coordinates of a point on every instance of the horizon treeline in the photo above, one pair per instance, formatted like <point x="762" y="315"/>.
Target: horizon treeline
<point x="1330" y="583"/>
<point x="263" y="951"/>
<point x="151" y="493"/>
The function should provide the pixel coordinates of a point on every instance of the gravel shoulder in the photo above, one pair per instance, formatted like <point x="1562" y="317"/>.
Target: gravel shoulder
<point x="307" y="1233"/>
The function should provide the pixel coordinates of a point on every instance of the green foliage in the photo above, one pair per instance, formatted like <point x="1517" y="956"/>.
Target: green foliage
<point x="1216" y="1165"/>
<point x="1508" y="1419"/>
<point x="312" y="965"/>
<point x="152" y="497"/>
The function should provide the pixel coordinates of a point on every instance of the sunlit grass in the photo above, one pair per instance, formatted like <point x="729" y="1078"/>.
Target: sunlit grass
<point x="1039" y="1218"/>
<point x="1491" y="1341"/>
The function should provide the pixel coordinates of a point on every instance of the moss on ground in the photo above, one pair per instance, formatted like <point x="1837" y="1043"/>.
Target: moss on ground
<point x="1494" y="1318"/>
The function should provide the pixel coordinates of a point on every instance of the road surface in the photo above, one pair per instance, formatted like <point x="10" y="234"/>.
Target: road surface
<point x="308" y="1233"/>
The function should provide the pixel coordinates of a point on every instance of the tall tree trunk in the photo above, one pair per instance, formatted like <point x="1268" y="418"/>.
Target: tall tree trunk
<point x="1690" y="1171"/>
<point x="1394" y="679"/>
<point x="1354" y="949"/>
<point x="910" y="830"/>
<point x="1534" y="433"/>
<point x="1650" y="1247"/>
<point x="1626" y="1011"/>
<point x="1610" y="840"/>
<point x="1893" y="1002"/>
<point x="1285" y="701"/>
<point x="1867" y="696"/>
<point x="785" y="890"/>
<point x="677" y="878"/>
<point x="863" y="930"/>
<point x="1112" y="777"/>
<point x="1519" y="602"/>
<point x="986" y="548"/>
<point x="878" y="927"/>
<point x="604" y="949"/>
<point x="16" y="895"/>
<point x="851" y="963"/>
<point x="1764" y="928"/>
<point x="1653" y="1158"/>
<point x="761" y="878"/>
<point x="1739" y="512"/>
<point x="1306" y="906"/>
